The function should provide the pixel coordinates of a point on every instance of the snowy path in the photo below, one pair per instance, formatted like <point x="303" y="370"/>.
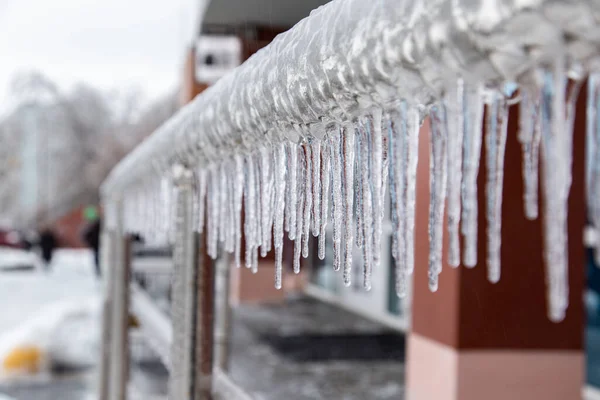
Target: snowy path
<point x="23" y="294"/>
<point x="33" y="299"/>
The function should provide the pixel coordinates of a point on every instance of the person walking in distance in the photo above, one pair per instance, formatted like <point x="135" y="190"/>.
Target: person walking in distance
<point x="92" y="237"/>
<point x="47" y="245"/>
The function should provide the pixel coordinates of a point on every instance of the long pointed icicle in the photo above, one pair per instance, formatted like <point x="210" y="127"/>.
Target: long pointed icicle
<point x="473" y="132"/>
<point x="265" y="200"/>
<point x="292" y="167"/>
<point x="367" y="206"/>
<point x="308" y="200"/>
<point x="238" y="197"/>
<point x="398" y="146"/>
<point x="495" y="140"/>
<point x="410" y="161"/>
<point x="316" y="187"/>
<point x="377" y="166"/>
<point x="279" y="181"/>
<point x="454" y="103"/>
<point x="437" y="192"/>
<point x="324" y="195"/>
<point x="348" y="172"/>
<point x="529" y="137"/>
<point x="201" y="199"/>
<point x="299" y="218"/>
<point x="556" y="185"/>
<point x="250" y="209"/>
<point x="337" y="204"/>
<point x="358" y="191"/>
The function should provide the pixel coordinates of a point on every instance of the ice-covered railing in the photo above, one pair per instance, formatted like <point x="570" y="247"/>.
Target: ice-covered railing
<point x="314" y="128"/>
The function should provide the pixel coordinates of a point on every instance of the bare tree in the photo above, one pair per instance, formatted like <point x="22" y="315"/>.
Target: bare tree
<point x="74" y="139"/>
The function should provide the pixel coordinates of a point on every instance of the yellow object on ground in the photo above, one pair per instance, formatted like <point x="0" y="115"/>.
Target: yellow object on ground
<point x="133" y="321"/>
<point x="23" y="359"/>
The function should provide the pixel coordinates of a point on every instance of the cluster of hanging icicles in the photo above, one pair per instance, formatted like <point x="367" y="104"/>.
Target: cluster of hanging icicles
<point x="341" y="176"/>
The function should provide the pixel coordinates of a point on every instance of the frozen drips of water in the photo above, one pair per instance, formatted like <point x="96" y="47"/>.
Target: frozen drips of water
<point x="472" y="138"/>
<point x="238" y="194"/>
<point x="556" y="184"/>
<point x="324" y="198"/>
<point x="315" y="152"/>
<point x="336" y="196"/>
<point x="495" y="144"/>
<point x="364" y="149"/>
<point x="292" y="193"/>
<point x="279" y="179"/>
<point x="308" y="199"/>
<point x="376" y="182"/>
<point x="529" y="137"/>
<point x="290" y="185"/>
<point x="348" y="173"/>
<point x="438" y="157"/>
<point x="454" y="104"/>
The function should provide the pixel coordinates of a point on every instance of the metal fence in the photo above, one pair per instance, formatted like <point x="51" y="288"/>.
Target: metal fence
<point x="303" y="123"/>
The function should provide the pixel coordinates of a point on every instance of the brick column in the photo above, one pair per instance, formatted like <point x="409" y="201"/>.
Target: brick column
<point x="476" y="340"/>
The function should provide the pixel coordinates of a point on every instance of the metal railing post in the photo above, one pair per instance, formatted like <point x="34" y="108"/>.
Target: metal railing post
<point x="107" y="249"/>
<point x="222" y="336"/>
<point x="192" y="303"/>
<point x="119" y="330"/>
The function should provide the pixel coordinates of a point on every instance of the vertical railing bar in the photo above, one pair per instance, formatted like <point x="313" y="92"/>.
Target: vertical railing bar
<point x="222" y="335"/>
<point x="107" y="256"/>
<point x="119" y="357"/>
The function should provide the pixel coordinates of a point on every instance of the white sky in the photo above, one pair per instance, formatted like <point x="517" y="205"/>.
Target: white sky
<point x="109" y="44"/>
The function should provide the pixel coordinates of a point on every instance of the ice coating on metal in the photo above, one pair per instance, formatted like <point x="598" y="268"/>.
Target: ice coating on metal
<point x="374" y="69"/>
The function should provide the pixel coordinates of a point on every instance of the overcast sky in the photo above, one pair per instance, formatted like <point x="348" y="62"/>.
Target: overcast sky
<point x="106" y="43"/>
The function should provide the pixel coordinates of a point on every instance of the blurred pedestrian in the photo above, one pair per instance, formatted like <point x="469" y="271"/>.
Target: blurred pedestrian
<point x="91" y="237"/>
<point x="47" y="245"/>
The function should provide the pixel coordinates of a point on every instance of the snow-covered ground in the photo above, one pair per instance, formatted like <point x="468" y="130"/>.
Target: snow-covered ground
<point x="24" y="294"/>
<point x="54" y="312"/>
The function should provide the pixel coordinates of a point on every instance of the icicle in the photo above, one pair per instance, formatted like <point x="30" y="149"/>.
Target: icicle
<point x="221" y="203"/>
<point x="358" y="194"/>
<point x="292" y="167"/>
<point x="265" y="200"/>
<point x="455" y="108"/>
<point x="410" y="161"/>
<point x="337" y="203"/>
<point x="367" y="206"/>
<point x="385" y="165"/>
<point x="473" y="111"/>
<point x="556" y="185"/>
<point x="348" y="174"/>
<point x="254" y="266"/>
<point x="495" y="141"/>
<point x="238" y="196"/>
<point x="279" y="180"/>
<point x="230" y="211"/>
<point x="529" y="137"/>
<point x="397" y="146"/>
<point x="324" y="197"/>
<point x="377" y="166"/>
<point x="250" y="210"/>
<point x="214" y="214"/>
<point x="308" y="201"/>
<point x="437" y="195"/>
<point x="299" y="227"/>
<point x="316" y="187"/>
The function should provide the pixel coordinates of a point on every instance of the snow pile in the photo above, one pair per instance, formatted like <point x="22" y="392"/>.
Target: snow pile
<point x="64" y="334"/>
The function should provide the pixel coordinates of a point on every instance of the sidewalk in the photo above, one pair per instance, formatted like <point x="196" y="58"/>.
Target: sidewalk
<point x="305" y="349"/>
